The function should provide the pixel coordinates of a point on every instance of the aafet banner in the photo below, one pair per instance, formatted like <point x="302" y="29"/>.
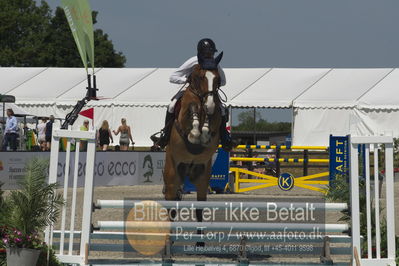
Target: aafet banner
<point x="339" y="156"/>
<point x="111" y="168"/>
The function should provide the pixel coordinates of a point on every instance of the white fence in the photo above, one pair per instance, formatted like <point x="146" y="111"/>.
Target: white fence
<point x="372" y="144"/>
<point x="76" y="136"/>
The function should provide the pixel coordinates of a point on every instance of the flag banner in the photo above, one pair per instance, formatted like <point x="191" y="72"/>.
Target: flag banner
<point x="89" y="113"/>
<point x="78" y="14"/>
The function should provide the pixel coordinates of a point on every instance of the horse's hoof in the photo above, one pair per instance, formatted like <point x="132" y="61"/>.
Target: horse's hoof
<point x="200" y="244"/>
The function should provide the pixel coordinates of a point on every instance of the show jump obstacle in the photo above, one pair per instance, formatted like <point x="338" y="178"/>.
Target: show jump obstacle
<point x="286" y="181"/>
<point x="69" y="251"/>
<point x="77" y="137"/>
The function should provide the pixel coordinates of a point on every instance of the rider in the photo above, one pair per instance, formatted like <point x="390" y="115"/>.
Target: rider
<point x="206" y="49"/>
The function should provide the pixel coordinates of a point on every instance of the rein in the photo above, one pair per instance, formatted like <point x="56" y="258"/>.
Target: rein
<point x="204" y="95"/>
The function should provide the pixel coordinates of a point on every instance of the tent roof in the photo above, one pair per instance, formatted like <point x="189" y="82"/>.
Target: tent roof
<point x="246" y="87"/>
<point x="14" y="77"/>
<point x="18" y="111"/>
<point x="153" y="90"/>
<point x="341" y="88"/>
<point x="111" y="82"/>
<point x="278" y="88"/>
<point x="384" y="94"/>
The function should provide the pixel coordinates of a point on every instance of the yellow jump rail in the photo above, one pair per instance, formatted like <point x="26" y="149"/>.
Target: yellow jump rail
<point x="281" y="147"/>
<point x="283" y="160"/>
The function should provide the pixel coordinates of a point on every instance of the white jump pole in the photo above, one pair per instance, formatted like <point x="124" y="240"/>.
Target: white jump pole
<point x="222" y="226"/>
<point x="319" y="206"/>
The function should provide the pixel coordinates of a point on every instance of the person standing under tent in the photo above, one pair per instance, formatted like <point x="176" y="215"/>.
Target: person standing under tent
<point x="126" y="134"/>
<point x="83" y="142"/>
<point x="41" y="134"/>
<point x="49" y="131"/>
<point x="10" y="132"/>
<point x="104" y="135"/>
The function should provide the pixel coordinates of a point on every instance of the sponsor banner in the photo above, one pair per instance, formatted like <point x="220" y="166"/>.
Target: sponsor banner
<point x="111" y="168"/>
<point x="339" y="156"/>
<point x="220" y="173"/>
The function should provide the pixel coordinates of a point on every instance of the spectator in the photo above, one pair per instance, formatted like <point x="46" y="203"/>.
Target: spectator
<point x="85" y="126"/>
<point x="10" y="132"/>
<point x="83" y="142"/>
<point x="41" y="134"/>
<point x="126" y="134"/>
<point x="49" y="131"/>
<point x="104" y="135"/>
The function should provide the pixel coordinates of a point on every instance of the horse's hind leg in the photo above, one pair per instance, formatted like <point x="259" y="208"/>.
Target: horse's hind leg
<point x="171" y="179"/>
<point x="202" y="193"/>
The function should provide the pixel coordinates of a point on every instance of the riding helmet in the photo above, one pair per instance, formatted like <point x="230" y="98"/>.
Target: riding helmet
<point x="206" y="45"/>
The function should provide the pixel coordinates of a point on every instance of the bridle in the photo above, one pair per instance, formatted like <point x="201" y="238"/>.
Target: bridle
<point x="202" y="96"/>
<point x="200" y="112"/>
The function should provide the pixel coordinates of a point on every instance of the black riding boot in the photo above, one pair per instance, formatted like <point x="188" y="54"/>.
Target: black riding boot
<point x="225" y="138"/>
<point x="163" y="139"/>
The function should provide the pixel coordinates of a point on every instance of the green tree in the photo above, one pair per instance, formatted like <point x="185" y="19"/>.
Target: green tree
<point x="22" y="30"/>
<point x="63" y="51"/>
<point x="31" y="36"/>
<point x="246" y="123"/>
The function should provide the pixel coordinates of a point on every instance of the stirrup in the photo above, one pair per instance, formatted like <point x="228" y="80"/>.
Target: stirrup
<point x="154" y="138"/>
<point x="161" y="141"/>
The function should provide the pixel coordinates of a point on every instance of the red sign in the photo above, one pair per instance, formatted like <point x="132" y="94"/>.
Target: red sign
<point x="89" y="113"/>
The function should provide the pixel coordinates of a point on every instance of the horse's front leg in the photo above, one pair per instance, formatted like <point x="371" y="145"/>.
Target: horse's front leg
<point x="194" y="135"/>
<point x="209" y="107"/>
<point x="205" y="136"/>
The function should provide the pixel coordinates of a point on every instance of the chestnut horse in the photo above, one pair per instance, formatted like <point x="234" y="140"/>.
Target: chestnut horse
<point x="195" y="136"/>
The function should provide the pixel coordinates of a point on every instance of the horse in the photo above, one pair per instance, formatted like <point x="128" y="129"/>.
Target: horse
<point x="195" y="136"/>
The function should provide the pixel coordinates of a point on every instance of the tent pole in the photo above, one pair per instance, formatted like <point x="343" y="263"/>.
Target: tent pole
<point x="4" y="107"/>
<point x="231" y="121"/>
<point x="254" y="125"/>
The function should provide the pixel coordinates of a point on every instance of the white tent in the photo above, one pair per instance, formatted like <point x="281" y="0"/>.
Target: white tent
<point x="278" y="88"/>
<point x="330" y="106"/>
<point x="17" y="110"/>
<point x="324" y="101"/>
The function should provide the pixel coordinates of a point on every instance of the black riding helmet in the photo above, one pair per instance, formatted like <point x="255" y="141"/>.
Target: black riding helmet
<point x="206" y="46"/>
<point x="206" y="50"/>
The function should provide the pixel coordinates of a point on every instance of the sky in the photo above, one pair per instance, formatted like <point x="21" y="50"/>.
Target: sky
<point x="254" y="33"/>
